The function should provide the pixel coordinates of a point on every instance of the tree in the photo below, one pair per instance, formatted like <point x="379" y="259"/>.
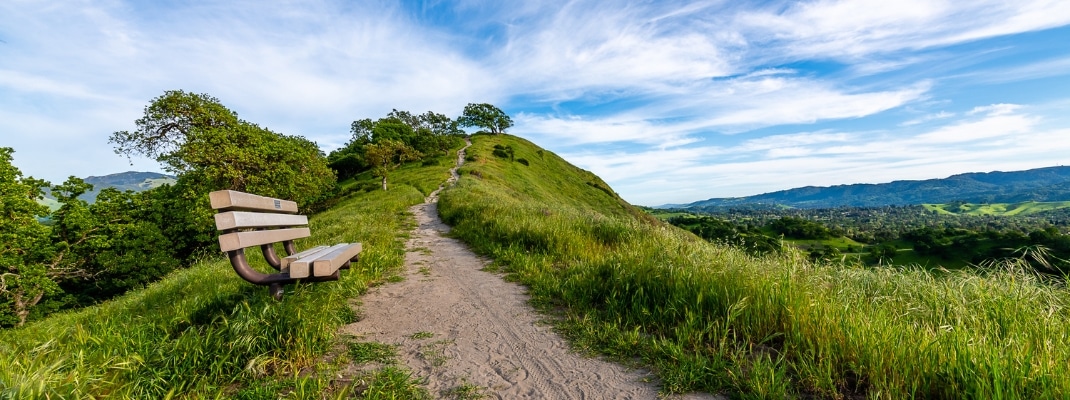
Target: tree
<point x="25" y="249"/>
<point x="387" y="155"/>
<point x="115" y="240"/>
<point x="430" y="134"/>
<point x="485" y="116"/>
<point x="196" y="137"/>
<point x="171" y="121"/>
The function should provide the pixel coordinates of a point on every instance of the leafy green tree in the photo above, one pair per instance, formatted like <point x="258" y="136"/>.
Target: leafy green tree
<point x="29" y="264"/>
<point x="388" y="155"/>
<point x="114" y="240"/>
<point x="485" y="116"/>
<point x="196" y="137"/>
<point x="883" y="253"/>
<point x="171" y="121"/>
<point x="429" y="134"/>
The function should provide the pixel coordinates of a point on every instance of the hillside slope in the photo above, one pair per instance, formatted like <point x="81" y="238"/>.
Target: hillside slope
<point x="203" y="332"/>
<point x="1041" y="184"/>
<point x="711" y="318"/>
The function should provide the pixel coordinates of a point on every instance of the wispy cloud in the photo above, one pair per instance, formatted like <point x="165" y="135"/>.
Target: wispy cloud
<point x="973" y="142"/>
<point x="926" y="118"/>
<point x="857" y="29"/>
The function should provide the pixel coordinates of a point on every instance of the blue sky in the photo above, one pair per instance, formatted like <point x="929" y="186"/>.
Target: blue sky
<point x="670" y="102"/>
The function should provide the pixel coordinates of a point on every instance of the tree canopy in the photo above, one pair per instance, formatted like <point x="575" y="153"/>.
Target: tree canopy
<point x="427" y="135"/>
<point x="197" y="138"/>
<point x="485" y="116"/>
<point x="25" y="248"/>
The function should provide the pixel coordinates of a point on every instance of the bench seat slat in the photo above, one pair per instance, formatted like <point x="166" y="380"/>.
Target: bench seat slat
<point x="284" y="264"/>
<point x="240" y="240"/>
<point x="302" y="267"/>
<point x="330" y="262"/>
<point x="301" y="270"/>
<point x="244" y="219"/>
<point x="232" y="200"/>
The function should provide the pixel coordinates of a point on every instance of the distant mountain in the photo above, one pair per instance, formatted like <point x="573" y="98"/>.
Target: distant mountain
<point x="1041" y="184"/>
<point x="131" y="180"/>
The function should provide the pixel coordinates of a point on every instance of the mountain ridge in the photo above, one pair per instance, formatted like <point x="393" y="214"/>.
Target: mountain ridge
<point x="137" y="181"/>
<point x="1038" y="184"/>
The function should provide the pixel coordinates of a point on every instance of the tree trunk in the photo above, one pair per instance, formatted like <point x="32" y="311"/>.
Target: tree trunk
<point x="384" y="182"/>
<point x="22" y="307"/>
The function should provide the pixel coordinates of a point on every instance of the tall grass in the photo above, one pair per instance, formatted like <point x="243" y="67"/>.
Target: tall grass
<point x="204" y="332"/>
<point x="711" y="318"/>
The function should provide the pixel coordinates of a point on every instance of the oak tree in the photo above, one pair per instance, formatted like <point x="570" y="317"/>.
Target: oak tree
<point x="199" y="139"/>
<point x="485" y="116"/>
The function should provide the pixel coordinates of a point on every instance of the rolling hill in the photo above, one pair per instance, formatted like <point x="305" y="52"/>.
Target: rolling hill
<point x="130" y="180"/>
<point x="1049" y="184"/>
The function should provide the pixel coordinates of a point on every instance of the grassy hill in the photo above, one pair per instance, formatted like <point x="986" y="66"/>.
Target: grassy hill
<point x="998" y="209"/>
<point x="614" y="280"/>
<point x="711" y="318"/>
<point x="202" y="332"/>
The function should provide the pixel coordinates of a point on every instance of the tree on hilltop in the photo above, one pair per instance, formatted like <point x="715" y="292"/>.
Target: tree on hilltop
<point x="430" y="134"/>
<point x="485" y="116"/>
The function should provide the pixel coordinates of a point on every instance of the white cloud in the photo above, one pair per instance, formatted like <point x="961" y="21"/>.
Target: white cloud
<point x="995" y="109"/>
<point x="998" y="134"/>
<point x="926" y="118"/>
<point x="860" y="28"/>
<point x="776" y="101"/>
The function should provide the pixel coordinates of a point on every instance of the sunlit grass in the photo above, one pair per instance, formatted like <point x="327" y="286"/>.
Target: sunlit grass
<point x="712" y="318"/>
<point x="203" y="332"/>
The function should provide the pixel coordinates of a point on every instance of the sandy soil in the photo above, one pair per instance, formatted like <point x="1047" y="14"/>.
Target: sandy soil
<point x="456" y="325"/>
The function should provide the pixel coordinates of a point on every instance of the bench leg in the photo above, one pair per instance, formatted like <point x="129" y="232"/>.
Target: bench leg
<point x="276" y="291"/>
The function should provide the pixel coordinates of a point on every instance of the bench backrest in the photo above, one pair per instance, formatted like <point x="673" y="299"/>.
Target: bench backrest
<point x="249" y="220"/>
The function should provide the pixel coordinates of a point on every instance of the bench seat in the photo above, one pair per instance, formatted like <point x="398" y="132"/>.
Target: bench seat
<point x="247" y="220"/>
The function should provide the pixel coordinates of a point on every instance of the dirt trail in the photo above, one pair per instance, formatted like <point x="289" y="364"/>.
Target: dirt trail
<point x="457" y="325"/>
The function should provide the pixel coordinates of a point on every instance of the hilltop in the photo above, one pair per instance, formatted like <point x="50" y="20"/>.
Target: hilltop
<point x="1051" y="184"/>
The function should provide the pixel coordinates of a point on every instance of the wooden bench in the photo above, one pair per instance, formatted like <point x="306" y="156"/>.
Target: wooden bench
<point x="247" y="220"/>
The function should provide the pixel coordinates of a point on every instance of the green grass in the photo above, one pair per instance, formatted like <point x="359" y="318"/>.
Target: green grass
<point x="203" y="332"/>
<point x="998" y="209"/>
<point x="841" y="243"/>
<point x="711" y="318"/>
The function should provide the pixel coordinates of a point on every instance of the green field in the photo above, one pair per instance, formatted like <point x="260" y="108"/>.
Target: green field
<point x="997" y="209"/>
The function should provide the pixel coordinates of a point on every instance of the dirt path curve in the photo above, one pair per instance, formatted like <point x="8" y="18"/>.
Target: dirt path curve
<point x="458" y="326"/>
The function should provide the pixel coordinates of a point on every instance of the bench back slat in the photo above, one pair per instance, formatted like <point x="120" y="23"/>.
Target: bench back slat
<point x="240" y="240"/>
<point x="238" y="201"/>
<point x="243" y="219"/>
